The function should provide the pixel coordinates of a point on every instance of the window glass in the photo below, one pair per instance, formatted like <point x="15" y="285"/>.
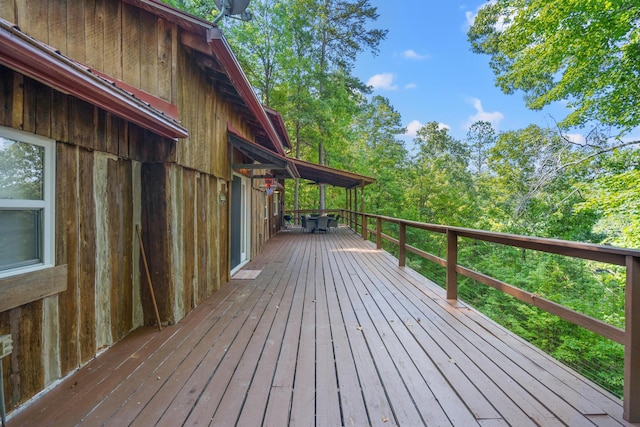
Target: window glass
<point x="21" y="170"/>
<point x="20" y="238"/>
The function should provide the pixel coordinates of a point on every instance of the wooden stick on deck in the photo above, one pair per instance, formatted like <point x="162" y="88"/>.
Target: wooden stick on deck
<point x="146" y="267"/>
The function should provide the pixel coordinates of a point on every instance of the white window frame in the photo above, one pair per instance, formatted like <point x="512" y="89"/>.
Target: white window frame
<point x="47" y="204"/>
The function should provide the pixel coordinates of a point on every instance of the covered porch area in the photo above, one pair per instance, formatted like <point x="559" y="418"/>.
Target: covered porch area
<point x="324" y="329"/>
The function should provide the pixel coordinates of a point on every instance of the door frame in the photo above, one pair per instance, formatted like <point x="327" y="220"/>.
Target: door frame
<point x="243" y="212"/>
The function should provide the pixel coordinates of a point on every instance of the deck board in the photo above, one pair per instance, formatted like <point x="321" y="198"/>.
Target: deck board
<point x="331" y="332"/>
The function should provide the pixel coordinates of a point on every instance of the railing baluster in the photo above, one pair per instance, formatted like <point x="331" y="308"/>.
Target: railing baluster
<point x="452" y="263"/>
<point x="365" y="230"/>
<point x="402" y="255"/>
<point x="631" y="400"/>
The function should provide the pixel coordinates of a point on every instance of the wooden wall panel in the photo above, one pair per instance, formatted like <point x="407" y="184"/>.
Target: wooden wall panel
<point x="6" y="96"/>
<point x="57" y="17"/>
<point x="167" y="38"/>
<point x="189" y="238"/>
<point x="81" y="123"/>
<point x="130" y="45"/>
<point x="87" y="256"/>
<point x="203" y="234"/>
<point x="94" y="33"/>
<point x="36" y="12"/>
<point x="120" y="227"/>
<point x="60" y="117"/>
<point x="67" y="248"/>
<point x="5" y="328"/>
<point x="76" y="36"/>
<point x="156" y="199"/>
<point x="148" y="52"/>
<point x="206" y="149"/>
<point x="112" y="45"/>
<point x="29" y="105"/>
<point x="8" y="10"/>
<point x="176" y="246"/>
<point x="26" y="372"/>
<point x="43" y="108"/>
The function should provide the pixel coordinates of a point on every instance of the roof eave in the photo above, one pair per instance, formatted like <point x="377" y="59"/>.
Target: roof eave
<point x="35" y="60"/>
<point x="222" y="50"/>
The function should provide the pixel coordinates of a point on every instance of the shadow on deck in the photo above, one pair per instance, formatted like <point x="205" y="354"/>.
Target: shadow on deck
<point x="330" y="332"/>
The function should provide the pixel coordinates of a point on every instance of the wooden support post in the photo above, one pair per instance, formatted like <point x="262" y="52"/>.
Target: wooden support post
<point x="365" y="226"/>
<point x="365" y="232"/>
<point x="452" y="263"/>
<point x="402" y="242"/>
<point x="349" y="208"/>
<point x="631" y="394"/>
<point x="379" y="233"/>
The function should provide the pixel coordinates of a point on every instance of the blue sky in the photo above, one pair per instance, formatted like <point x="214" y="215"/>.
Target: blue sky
<point x="425" y="67"/>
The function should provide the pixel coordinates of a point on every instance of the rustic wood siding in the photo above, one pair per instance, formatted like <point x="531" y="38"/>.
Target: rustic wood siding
<point x="184" y="228"/>
<point x="205" y="112"/>
<point x="98" y="196"/>
<point x="115" y="38"/>
<point x="112" y="176"/>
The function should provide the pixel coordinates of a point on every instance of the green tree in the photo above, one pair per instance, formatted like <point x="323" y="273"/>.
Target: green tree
<point x="480" y="137"/>
<point x="443" y="187"/>
<point x="615" y="195"/>
<point x="383" y="155"/>
<point x="583" y="52"/>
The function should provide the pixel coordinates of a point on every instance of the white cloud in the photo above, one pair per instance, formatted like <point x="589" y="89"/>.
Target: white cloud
<point x="410" y="86"/>
<point x="470" y="18"/>
<point x="494" y="117"/>
<point x="412" y="54"/>
<point x="382" y="81"/>
<point x="414" y="126"/>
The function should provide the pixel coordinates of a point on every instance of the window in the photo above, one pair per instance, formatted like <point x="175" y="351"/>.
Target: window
<point x="27" y="202"/>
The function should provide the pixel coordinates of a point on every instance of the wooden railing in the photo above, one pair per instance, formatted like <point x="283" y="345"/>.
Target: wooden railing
<point x="629" y="337"/>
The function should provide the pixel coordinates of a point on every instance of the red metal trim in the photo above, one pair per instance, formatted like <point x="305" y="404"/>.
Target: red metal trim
<point x="40" y="62"/>
<point x="159" y="104"/>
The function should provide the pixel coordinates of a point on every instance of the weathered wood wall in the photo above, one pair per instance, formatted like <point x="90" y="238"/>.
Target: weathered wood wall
<point x="98" y="196"/>
<point x="187" y="256"/>
<point x="112" y="176"/>
<point x="113" y="37"/>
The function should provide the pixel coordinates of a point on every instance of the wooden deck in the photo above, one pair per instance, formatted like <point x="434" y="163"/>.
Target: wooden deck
<point x="331" y="332"/>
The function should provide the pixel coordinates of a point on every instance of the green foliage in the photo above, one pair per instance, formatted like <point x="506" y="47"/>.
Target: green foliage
<point x="584" y="52"/>
<point x="443" y="187"/>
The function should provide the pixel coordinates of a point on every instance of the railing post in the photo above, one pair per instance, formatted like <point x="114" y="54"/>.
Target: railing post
<point x="452" y="263"/>
<point x="379" y="233"/>
<point x="365" y="226"/>
<point x="631" y="397"/>
<point x="402" y="241"/>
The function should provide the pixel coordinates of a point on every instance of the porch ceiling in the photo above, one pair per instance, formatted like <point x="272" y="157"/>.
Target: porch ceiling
<point x="278" y="164"/>
<point x="326" y="175"/>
